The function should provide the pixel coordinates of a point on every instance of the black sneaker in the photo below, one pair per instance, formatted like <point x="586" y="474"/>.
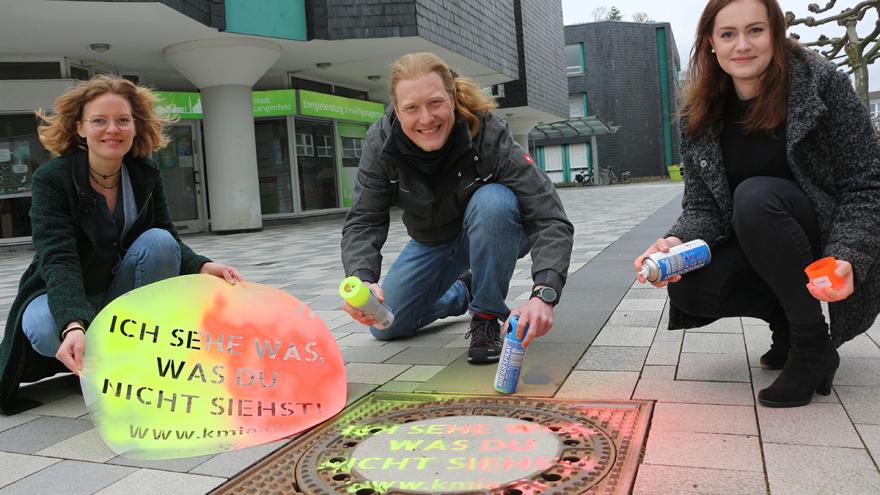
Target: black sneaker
<point x="485" y="336"/>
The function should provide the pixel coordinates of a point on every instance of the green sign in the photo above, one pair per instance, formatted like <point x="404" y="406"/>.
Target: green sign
<point x="284" y="19"/>
<point x="183" y="105"/>
<point x="337" y="107"/>
<point x="274" y="103"/>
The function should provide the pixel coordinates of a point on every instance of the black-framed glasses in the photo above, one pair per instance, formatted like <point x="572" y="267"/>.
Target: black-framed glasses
<point x="123" y="123"/>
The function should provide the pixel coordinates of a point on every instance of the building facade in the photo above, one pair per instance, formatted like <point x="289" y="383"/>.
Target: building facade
<point x="625" y="75"/>
<point x="273" y="98"/>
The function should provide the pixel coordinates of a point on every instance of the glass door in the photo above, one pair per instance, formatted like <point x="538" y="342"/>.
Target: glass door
<point x="180" y="165"/>
<point x="316" y="165"/>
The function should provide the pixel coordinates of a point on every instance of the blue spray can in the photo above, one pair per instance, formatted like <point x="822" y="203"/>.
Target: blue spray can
<point x="511" y="360"/>
<point x="680" y="259"/>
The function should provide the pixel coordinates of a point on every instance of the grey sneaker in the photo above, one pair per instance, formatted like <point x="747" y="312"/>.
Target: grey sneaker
<point x="485" y="337"/>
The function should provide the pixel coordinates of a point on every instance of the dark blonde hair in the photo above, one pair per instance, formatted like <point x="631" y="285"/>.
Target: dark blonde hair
<point x="470" y="102"/>
<point x="58" y="130"/>
<point x="708" y="85"/>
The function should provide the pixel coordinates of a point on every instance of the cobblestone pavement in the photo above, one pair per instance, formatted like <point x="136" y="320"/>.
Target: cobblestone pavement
<point x="707" y="434"/>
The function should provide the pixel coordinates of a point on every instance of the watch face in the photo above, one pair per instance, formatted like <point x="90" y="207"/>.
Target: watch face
<point x="546" y="294"/>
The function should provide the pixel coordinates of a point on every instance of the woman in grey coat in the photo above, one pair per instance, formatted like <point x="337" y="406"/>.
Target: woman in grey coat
<point x="782" y="168"/>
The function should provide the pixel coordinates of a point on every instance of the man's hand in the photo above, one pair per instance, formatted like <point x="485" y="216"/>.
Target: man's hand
<point x="537" y="314"/>
<point x="659" y="246"/>
<point x="360" y="316"/>
<point x="71" y="351"/>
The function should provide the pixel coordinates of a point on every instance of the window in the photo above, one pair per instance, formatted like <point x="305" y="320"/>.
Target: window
<point x="574" y="59"/>
<point x="576" y="105"/>
<point x="297" y="83"/>
<point x="20" y="154"/>
<point x="304" y="145"/>
<point x="325" y="146"/>
<point x="79" y="73"/>
<point x="351" y="149"/>
<point x="30" y="70"/>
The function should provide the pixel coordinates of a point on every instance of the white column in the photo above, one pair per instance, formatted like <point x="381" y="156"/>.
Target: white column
<point x="225" y="69"/>
<point x="520" y="127"/>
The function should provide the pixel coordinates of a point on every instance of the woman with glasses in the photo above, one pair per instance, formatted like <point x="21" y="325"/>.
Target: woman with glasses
<point x="100" y="227"/>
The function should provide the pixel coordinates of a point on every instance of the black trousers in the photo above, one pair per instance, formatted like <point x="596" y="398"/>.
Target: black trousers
<point x="760" y="272"/>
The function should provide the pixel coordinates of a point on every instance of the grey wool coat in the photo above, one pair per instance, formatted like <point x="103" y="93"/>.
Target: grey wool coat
<point x="835" y="158"/>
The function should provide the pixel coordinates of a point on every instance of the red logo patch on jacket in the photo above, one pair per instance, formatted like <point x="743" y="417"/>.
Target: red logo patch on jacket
<point x="529" y="159"/>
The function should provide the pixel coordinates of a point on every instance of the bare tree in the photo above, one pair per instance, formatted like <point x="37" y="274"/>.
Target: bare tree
<point x="599" y="13"/>
<point x="614" y="14"/>
<point x="641" y="17"/>
<point x="848" y="49"/>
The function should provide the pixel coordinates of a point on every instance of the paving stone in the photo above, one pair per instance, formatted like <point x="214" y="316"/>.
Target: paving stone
<point x="625" y="336"/>
<point x="72" y="406"/>
<point x="815" y="424"/>
<point x="598" y="385"/>
<point x="545" y="367"/>
<point x="612" y="358"/>
<point x="799" y="469"/>
<point x="757" y="343"/>
<point x="356" y="391"/>
<point x="724" y="325"/>
<point x="704" y="418"/>
<point x="376" y="374"/>
<point x="858" y="371"/>
<point x="359" y="340"/>
<point x="713" y="367"/>
<point x="228" y="464"/>
<point x="860" y="347"/>
<point x="861" y="403"/>
<point x="576" y="325"/>
<point x="664" y="335"/>
<point x="369" y="354"/>
<point x="426" y="356"/>
<point x="647" y="293"/>
<point x="712" y="343"/>
<point x="36" y="435"/>
<point x="735" y="394"/>
<point x="663" y="353"/>
<point x="398" y="386"/>
<point x="871" y="436"/>
<point x="674" y="480"/>
<point x="635" y="319"/>
<point x="181" y="465"/>
<point x="149" y="482"/>
<point x="7" y="422"/>
<point x="87" y="446"/>
<point x="650" y="372"/>
<point x="704" y="450"/>
<point x="419" y="373"/>
<point x="69" y="478"/>
<point x="641" y="305"/>
<point x="17" y="466"/>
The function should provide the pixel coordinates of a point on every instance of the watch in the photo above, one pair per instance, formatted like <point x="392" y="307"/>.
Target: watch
<point x="546" y="294"/>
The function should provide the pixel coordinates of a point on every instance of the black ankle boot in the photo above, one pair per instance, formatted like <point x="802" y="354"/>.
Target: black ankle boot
<point x="775" y="358"/>
<point x="812" y="362"/>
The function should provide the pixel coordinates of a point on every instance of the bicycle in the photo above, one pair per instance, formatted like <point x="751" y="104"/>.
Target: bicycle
<point x="583" y="177"/>
<point x="609" y="175"/>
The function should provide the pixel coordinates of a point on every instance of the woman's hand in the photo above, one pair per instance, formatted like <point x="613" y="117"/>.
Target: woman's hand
<point x="827" y="294"/>
<point x="225" y="272"/>
<point x="360" y="316"/>
<point x="71" y="351"/>
<point x="659" y="246"/>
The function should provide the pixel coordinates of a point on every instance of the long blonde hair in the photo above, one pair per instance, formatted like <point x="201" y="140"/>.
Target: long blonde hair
<point x="470" y="102"/>
<point x="58" y="130"/>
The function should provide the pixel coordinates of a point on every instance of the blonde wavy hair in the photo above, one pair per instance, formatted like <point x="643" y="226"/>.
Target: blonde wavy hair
<point x="470" y="102"/>
<point x="58" y="130"/>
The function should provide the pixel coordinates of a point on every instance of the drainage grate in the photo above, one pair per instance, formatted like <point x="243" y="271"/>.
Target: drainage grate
<point x="389" y="443"/>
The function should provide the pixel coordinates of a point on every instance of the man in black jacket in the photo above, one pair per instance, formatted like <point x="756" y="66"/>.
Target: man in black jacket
<point x="472" y="199"/>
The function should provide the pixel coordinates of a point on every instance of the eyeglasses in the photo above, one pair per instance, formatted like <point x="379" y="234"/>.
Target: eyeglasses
<point x="123" y="123"/>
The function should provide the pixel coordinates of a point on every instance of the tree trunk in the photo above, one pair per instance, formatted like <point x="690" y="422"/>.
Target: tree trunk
<point x="857" y="62"/>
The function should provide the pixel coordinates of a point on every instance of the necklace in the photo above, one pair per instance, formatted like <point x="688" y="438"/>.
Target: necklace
<point x="96" y="181"/>
<point x="103" y="176"/>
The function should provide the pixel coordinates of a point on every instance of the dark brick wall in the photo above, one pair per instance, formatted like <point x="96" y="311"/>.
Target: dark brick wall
<point x="623" y="88"/>
<point x="209" y="12"/>
<point x="355" y="19"/>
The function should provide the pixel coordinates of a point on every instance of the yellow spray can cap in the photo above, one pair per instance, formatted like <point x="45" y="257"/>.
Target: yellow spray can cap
<point x="354" y="291"/>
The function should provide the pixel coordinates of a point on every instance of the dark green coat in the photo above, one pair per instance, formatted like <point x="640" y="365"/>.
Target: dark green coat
<point x="64" y="235"/>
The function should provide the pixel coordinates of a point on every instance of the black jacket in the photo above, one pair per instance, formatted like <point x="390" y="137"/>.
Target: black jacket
<point x="384" y="179"/>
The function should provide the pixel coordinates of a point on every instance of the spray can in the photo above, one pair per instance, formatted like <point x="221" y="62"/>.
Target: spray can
<point x="680" y="259"/>
<point x="357" y="294"/>
<point x="511" y="360"/>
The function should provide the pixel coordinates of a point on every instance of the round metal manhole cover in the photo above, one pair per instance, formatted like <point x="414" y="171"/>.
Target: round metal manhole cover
<point x="458" y="446"/>
<point x="457" y="454"/>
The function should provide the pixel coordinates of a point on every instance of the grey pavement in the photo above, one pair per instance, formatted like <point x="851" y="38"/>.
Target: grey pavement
<point x="609" y="341"/>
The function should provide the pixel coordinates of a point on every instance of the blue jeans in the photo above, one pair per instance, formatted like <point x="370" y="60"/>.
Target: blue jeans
<point x="422" y="284"/>
<point x="153" y="256"/>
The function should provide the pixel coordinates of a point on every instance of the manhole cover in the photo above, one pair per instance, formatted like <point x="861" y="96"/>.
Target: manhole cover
<point x="418" y="443"/>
